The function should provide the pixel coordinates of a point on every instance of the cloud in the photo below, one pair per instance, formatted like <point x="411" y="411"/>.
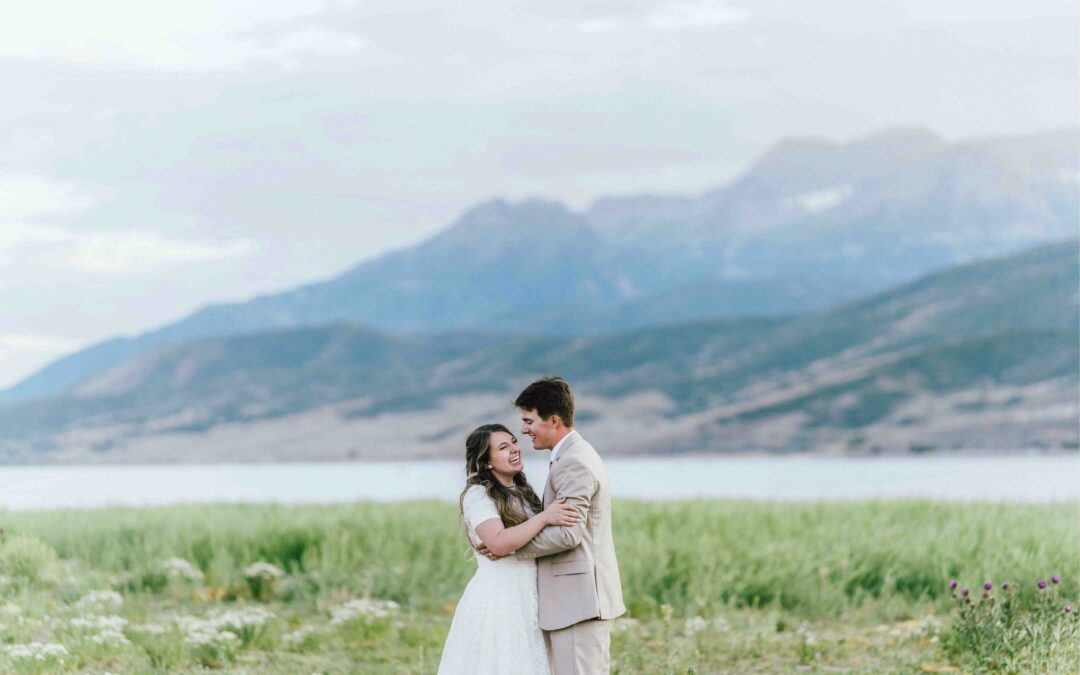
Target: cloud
<point x="294" y="48"/>
<point x="551" y="159"/>
<point x="109" y="252"/>
<point x="313" y="40"/>
<point x="687" y="16"/>
<point x="137" y="252"/>
<point x="28" y="204"/>
<point x="696" y="16"/>
<point x="126" y="251"/>
<point x="822" y="200"/>
<point x="600" y="26"/>
<point x="19" y="342"/>
<point x="24" y="195"/>
<point x="193" y="35"/>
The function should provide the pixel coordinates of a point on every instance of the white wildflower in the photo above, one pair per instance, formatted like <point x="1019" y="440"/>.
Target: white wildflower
<point x="243" y="621"/>
<point x="695" y="624"/>
<point x="928" y="625"/>
<point x="623" y="625"/>
<point x="38" y="651"/>
<point x="205" y="635"/>
<point x="10" y="609"/>
<point x="228" y="636"/>
<point x="110" y="638"/>
<point x="720" y="624"/>
<point x="100" y="600"/>
<point x="103" y="623"/>
<point x="242" y="618"/>
<point x="263" y="570"/>
<point x="807" y="635"/>
<point x="178" y="568"/>
<point x="149" y="628"/>
<point x="299" y="635"/>
<point x="363" y="609"/>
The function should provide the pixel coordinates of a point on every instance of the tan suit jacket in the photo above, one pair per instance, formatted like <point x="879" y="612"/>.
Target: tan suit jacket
<point x="577" y="573"/>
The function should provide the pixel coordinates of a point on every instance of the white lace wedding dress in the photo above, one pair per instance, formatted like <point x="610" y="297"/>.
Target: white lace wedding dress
<point x="496" y="627"/>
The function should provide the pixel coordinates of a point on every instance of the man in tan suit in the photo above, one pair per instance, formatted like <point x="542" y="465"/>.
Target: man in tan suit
<point x="577" y="574"/>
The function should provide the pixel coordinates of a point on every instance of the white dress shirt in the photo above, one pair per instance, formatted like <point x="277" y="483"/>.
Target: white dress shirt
<point x="555" y="450"/>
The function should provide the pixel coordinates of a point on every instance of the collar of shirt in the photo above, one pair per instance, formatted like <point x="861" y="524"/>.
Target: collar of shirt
<point x="555" y="450"/>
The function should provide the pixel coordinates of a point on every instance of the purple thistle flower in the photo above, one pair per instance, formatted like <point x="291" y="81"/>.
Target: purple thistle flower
<point x="987" y="586"/>
<point x="1005" y="586"/>
<point x="1056" y="579"/>
<point x="964" y="592"/>
<point x="952" y="584"/>
<point x="1042" y="584"/>
<point x="1068" y="609"/>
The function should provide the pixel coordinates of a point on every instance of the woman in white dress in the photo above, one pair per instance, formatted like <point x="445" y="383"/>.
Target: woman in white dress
<point x="496" y="628"/>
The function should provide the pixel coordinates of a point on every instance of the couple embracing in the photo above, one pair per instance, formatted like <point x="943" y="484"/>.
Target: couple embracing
<point x="546" y="589"/>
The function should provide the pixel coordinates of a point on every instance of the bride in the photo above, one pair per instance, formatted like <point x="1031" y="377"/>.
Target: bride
<point x="496" y="627"/>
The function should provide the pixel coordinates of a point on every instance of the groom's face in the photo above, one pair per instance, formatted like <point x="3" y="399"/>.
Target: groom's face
<point x="544" y="433"/>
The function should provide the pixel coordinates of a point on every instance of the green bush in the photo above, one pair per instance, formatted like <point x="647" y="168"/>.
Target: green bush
<point x="24" y="557"/>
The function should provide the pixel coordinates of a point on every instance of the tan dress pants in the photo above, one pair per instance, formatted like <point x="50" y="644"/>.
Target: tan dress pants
<point x="581" y="649"/>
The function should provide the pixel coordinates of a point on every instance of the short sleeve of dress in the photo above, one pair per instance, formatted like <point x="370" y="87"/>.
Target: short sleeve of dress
<point x="478" y="507"/>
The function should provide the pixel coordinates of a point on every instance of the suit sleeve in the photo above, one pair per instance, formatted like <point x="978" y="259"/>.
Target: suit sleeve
<point x="574" y="481"/>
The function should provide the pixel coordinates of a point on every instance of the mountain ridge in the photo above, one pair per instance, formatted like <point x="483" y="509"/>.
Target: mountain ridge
<point x="985" y="329"/>
<point x="762" y="244"/>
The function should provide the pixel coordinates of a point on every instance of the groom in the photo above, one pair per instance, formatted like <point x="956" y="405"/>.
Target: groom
<point x="577" y="574"/>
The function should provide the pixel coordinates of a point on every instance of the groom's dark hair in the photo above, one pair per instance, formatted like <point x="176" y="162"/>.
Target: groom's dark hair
<point x="548" y="396"/>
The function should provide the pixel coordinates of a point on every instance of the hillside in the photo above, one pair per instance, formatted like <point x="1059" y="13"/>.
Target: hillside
<point x="968" y="354"/>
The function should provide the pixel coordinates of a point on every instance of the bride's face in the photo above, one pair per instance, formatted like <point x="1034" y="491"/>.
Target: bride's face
<point x="504" y="455"/>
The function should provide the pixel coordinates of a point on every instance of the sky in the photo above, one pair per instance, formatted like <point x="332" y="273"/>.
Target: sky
<point x="158" y="157"/>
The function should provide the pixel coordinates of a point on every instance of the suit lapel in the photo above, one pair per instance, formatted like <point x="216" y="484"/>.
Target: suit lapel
<point x="549" y="486"/>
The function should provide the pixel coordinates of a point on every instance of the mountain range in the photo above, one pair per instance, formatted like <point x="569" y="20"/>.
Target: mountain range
<point x="812" y="223"/>
<point x="983" y="355"/>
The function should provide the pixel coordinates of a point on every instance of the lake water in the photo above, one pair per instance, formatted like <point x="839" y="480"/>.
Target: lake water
<point x="1015" y="478"/>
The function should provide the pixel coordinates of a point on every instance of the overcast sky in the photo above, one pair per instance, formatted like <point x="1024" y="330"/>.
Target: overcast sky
<point x="159" y="156"/>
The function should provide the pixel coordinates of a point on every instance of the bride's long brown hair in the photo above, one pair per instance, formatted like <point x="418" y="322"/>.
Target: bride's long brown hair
<point x="508" y="501"/>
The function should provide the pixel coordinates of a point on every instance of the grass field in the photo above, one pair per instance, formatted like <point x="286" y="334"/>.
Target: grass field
<point x="711" y="586"/>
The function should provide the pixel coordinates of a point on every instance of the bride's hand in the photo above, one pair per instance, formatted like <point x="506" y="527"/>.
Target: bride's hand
<point x="561" y="513"/>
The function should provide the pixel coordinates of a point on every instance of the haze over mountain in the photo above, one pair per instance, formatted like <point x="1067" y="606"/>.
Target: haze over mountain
<point x="810" y="224"/>
<point x="984" y="355"/>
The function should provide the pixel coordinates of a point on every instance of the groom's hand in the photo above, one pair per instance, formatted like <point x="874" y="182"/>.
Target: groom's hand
<point x="483" y="550"/>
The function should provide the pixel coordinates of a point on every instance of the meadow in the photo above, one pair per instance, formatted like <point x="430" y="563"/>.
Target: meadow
<point x="711" y="586"/>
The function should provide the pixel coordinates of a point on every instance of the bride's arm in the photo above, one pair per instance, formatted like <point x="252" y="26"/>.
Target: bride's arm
<point x="502" y="540"/>
<point x="575" y="483"/>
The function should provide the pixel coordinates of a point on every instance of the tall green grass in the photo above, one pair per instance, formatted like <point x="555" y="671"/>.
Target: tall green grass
<point x="699" y="557"/>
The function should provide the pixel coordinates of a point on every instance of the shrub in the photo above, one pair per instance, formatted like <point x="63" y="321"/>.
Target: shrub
<point x="998" y="633"/>
<point x="23" y="557"/>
